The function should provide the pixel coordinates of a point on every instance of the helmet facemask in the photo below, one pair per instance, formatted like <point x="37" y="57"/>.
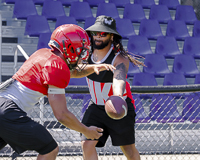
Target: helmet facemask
<point x="82" y="54"/>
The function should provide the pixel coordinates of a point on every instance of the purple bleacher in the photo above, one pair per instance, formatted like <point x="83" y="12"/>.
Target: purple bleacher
<point x="120" y="3"/>
<point x="80" y="11"/>
<point x="145" y="3"/>
<point x="177" y="29"/>
<point x="141" y="116"/>
<point x="134" y="12"/>
<point x="191" y="46"/>
<point x="35" y="25"/>
<point x="38" y="2"/>
<point x="150" y="28"/>
<point x="52" y="9"/>
<point x="167" y="46"/>
<point x="186" y="65"/>
<point x="78" y="81"/>
<point x="107" y="9"/>
<point x="160" y="13"/>
<point x="23" y="9"/>
<point x="163" y="109"/>
<point x="8" y="1"/>
<point x="171" y="4"/>
<point x="67" y="2"/>
<point x="196" y="29"/>
<point x="185" y="13"/>
<point x="139" y="45"/>
<point x="43" y="40"/>
<point x="125" y="30"/>
<point x="156" y="64"/>
<point x="191" y="108"/>
<point x="89" y="22"/>
<point x="132" y="70"/>
<point x="174" y="79"/>
<point x="144" y="79"/>
<point x="94" y="3"/>
<point x="197" y="79"/>
<point x="65" y="20"/>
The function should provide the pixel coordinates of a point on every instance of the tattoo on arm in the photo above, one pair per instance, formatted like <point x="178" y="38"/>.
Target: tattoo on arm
<point x="82" y="73"/>
<point x="121" y="72"/>
<point x="119" y="89"/>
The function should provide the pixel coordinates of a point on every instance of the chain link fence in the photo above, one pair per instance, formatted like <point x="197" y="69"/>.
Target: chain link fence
<point x="167" y="126"/>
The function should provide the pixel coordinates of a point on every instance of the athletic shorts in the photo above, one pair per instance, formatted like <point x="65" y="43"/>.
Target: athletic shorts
<point x="21" y="132"/>
<point x="122" y="132"/>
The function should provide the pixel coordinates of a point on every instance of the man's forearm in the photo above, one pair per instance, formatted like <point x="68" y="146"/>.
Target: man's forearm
<point x="89" y="69"/>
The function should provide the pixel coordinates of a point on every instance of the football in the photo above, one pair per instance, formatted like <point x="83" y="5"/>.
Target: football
<point x="116" y="107"/>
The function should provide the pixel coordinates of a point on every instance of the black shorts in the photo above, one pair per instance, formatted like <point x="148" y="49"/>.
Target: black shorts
<point x="122" y="132"/>
<point x="21" y="132"/>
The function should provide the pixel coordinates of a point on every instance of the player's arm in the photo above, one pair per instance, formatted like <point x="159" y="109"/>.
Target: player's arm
<point x="57" y="100"/>
<point x="119" y="78"/>
<point x="91" y="68"/>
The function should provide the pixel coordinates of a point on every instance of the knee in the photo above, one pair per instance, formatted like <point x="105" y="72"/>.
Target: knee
<point x="88" y="145"/>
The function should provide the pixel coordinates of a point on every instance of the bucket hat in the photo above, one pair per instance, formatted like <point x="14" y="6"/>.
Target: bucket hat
<point x="104" y="24"/>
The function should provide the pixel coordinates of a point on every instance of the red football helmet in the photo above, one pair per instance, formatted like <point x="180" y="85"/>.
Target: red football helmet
<point x="73" y="42"/>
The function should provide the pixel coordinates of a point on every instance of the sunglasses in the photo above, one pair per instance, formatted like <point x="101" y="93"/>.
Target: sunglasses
<point x="102" y="34"/>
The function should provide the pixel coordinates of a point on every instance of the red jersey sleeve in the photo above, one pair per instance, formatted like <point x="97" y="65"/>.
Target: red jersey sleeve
<point x="56" y="73"/>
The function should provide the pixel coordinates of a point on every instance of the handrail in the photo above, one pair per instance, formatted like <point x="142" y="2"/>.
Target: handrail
<point x="15" y="56"/>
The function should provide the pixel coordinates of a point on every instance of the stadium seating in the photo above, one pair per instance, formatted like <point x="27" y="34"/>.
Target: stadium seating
<point x="191" y="108"/>
<point x="141" y="116"/>
<point x="67" y="2"/>
<point x="160" y="13"/>
<point x="185" y="13"/>
<point x="191" y="46"/>
<point x="145" y="3"/>
<point x="150" y="28"/>
<point x="156" y="64"/>
<point x="139" y="45"/>
<point x="186" y="65"/>
<point x="197" y="79"/>
<point x="120" y="3"/>
<point x="174" y="79"/>
<point x="44" y="40"/>
<point x="163" y="109"/>
<point x="108" y="9"/>
<point x="52" y="9"/>
<point x="94" y="3"/>
<point x="167" y="46"/>
<point x="89" y="21"/>
<point x="80" y="11"/>
<point x="132" y="70"/>
<point x="171" y="4"/>
<point x="65" y="20"/>
<point x="134" y="12"/>
<point x="125" y="27"/>
<point x="196" y="29"/>
<point x="24" y="8"/>
<point x="8" y="1"/>
<point x="35" y="25"/>
<point x="78" y="81"/>
<point x="177" y="29"/>
<point x="38" y="2"/>
<point x="144" y="79"/>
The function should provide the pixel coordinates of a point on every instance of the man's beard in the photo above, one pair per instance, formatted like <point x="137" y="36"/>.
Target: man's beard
<point x="102" y="45"/>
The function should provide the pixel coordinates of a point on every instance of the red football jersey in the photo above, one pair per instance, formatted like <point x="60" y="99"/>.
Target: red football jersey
<point x="43" y="68"/>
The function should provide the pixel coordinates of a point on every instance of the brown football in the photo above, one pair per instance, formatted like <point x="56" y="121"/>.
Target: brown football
<point x="116" y="107"/>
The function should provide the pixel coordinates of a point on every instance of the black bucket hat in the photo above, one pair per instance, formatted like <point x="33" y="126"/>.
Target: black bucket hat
<point x="104" y="24"/>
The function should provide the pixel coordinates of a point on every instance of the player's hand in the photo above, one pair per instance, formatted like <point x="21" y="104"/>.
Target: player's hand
<point x="93" y="133"/>
<point x="102" y="67"/>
